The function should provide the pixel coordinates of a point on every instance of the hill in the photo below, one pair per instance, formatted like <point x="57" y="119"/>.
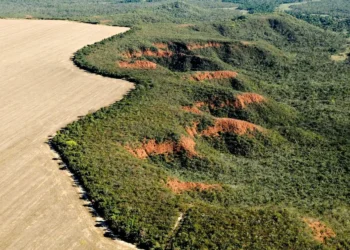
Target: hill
<point x="236" y="135"/>
<point x="332" y="15"/>
<point x="240" y="123"/>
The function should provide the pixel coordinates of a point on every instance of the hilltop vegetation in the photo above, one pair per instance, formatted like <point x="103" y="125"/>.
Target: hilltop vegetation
<point x="333" y="15"/>
<point x="173" y="127"/>
<point x="236" y="135"/>
<point x="119" y="12"/>
<point x="260" y="6"/>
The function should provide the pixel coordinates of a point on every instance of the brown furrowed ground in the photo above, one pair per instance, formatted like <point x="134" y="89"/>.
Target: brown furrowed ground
<point x="40" y="92"/>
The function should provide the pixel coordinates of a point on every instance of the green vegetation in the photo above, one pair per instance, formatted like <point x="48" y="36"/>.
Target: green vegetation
<point x="113" y="12"/>
<point x="333" y="15"/>
<point x="236" y="229"/>
<point x="296" y="167"/>
<point x="299" y="165"/>
<point x="258" y="6"/>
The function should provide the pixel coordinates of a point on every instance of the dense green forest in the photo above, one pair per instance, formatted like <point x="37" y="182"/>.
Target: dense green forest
<point x="119" y="13"/>
<point x="333" y="15"/>
<point x="236" y="136"/>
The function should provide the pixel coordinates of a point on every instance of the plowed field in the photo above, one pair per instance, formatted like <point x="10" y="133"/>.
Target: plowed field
<point x="40" y="92"/>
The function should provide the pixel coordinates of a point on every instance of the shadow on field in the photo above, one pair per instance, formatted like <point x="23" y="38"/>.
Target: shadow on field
<point x="87" y="202"/>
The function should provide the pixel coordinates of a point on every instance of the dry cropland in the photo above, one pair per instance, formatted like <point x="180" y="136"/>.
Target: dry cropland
<point x="40" y="92"/>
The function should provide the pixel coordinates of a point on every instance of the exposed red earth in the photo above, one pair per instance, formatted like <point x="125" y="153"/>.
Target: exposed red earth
<point x="137" y="65"/>
<point x="194" y="46"/>
<point x="200" y="76"/>
<point x="151" y="147"/>
<point x="247" y="98"/>
<point x="319" y="230"/>
<point x="160" y="45"/>
<point x="195" y="108"/>
<point x="230" y="125"/>
<point x="148" y="52"/>
<point x="241" y="102"/>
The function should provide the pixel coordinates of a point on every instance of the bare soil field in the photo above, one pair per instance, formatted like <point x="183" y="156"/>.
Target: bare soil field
<point x="40" y="92"/>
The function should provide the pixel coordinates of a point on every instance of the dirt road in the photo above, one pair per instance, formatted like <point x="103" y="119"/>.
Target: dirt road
<point x="40" y="92"/>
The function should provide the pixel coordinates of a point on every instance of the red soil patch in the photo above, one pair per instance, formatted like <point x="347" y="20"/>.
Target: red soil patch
<point x="215" y="103"/>
<point x="148" y="52"/>
<point x="192" y="131"/>
<point x="320" y="231"/>
<point x="247" y="98"/>
<point x="137" y="152"/>
<point x="193" y="46"/>
<point x="178" y="186"/>
<point x="213" y="75"/>
<point x="159" y="53"/>
<point x="132" y="54"/>
<point x="153" y="148"/>
<point x="229" y="125"/>
<point x="194" y="109"/>
<point x="159" y="148"/>
<point x="188" y="144"/>
<point x="160" y="45"/>
<point x="137" y="65"/>
<point x="241" y="102"/>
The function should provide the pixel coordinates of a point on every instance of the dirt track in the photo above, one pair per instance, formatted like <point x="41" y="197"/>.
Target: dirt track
<point x="40" y="92"/>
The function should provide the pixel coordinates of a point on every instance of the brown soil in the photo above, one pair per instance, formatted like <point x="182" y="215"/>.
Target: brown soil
<point x="137" y="152"/>
<point x="41" y="208"/>
<point x="160" y="45"/>
<point x="247" y="98"/>
<point x="195" y="108"/>
<point x="241" y="102"/>
<point x="189" y="145"/>
<point x="192" y="109"/>
<point x="178" y="186"/>
<point x="137" y="65"/>
<point x="192" y="131"/>
<point x="134" y="54"/>
<point x="148" y="52"/>
<point x="320" y="231"/>
<point x="229" y="125"/>
<point x="159" y="53"/>
<point x="213" y="75"/>
<point x="212" y="104"/>
<point x="153" y="148"/>
<point x="194" y="46"/>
